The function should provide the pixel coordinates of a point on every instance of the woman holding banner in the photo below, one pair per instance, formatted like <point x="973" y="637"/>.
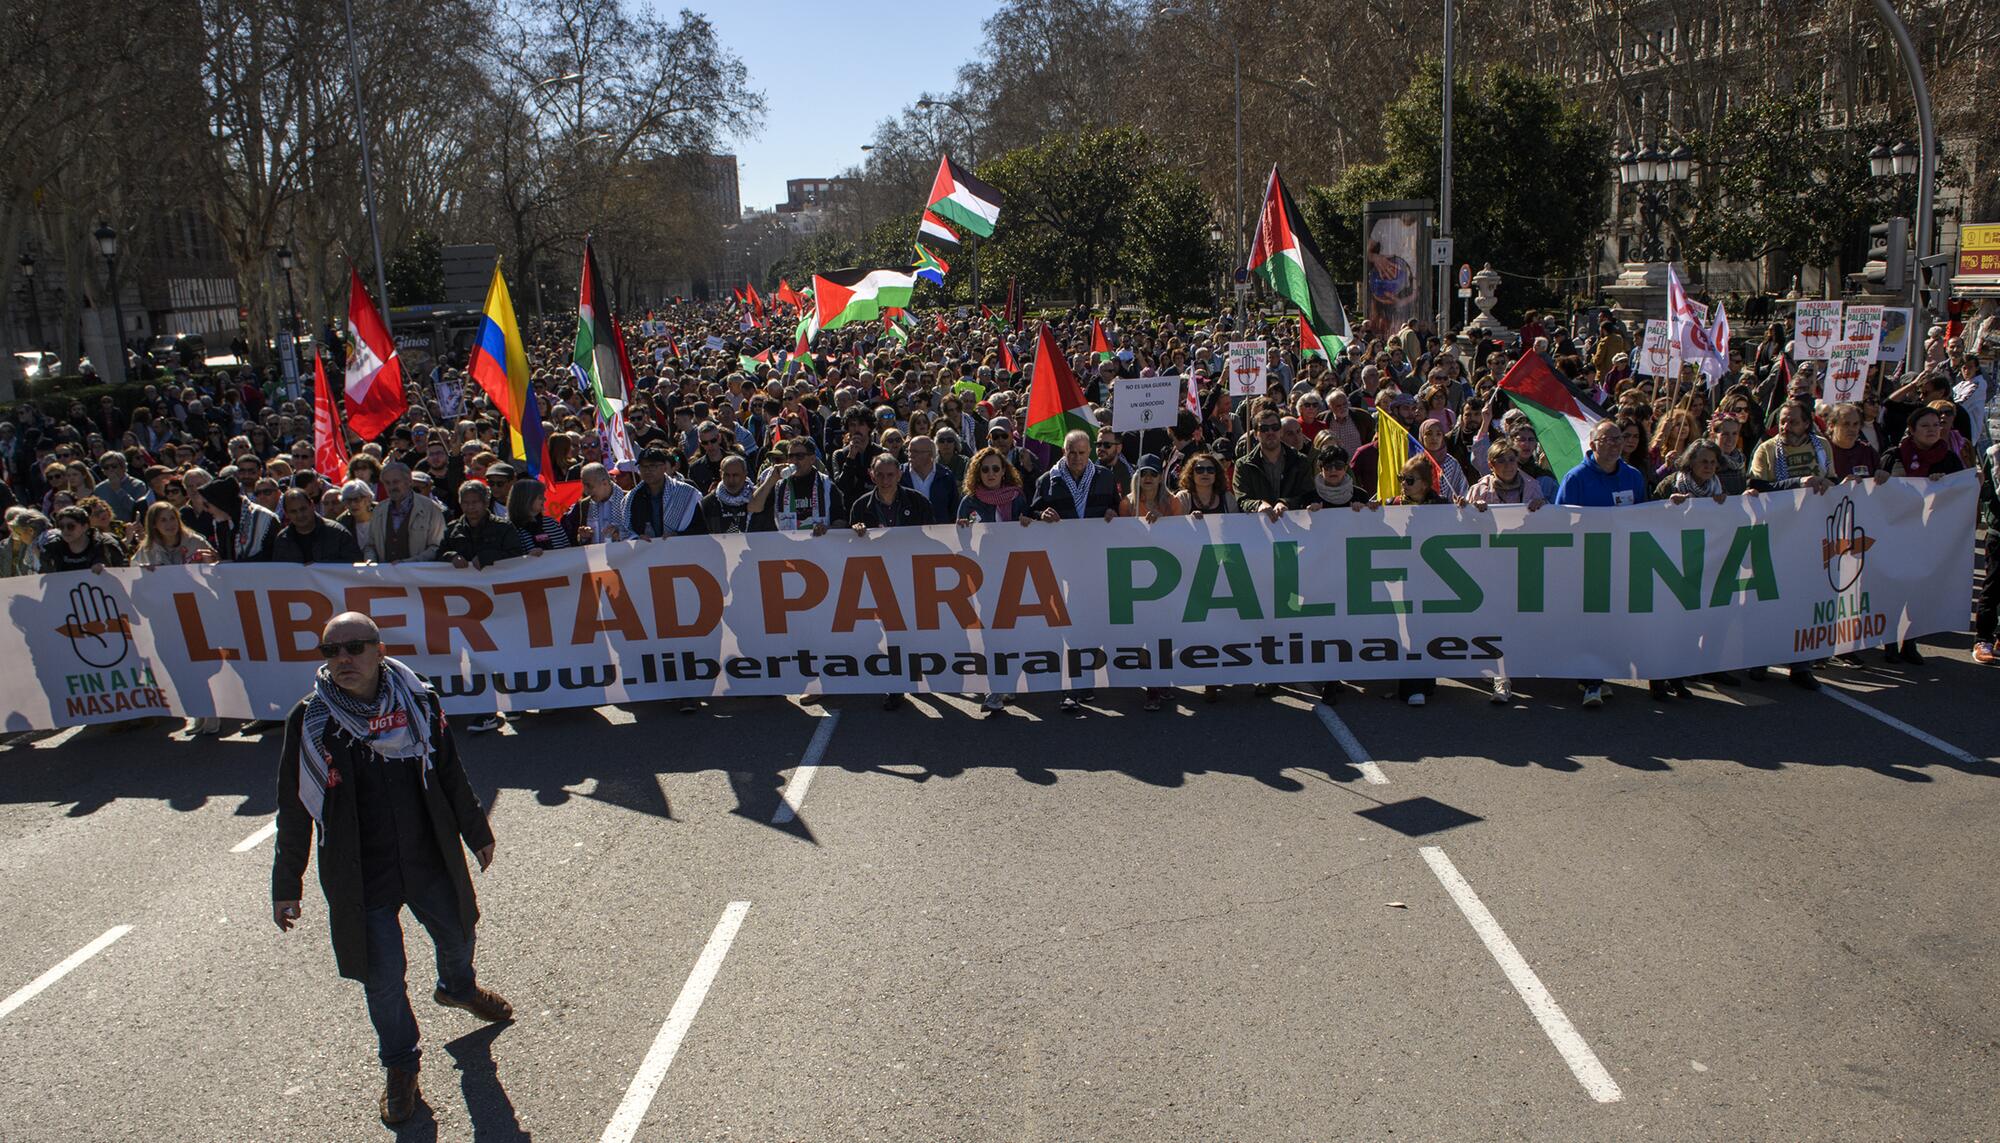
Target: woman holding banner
<point x="993" y="495"/>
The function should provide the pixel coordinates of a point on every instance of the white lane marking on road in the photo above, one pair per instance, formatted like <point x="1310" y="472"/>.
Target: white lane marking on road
<point x="57" y="739"/>
<point x="1583" y="1063"/>
<point x="1929" y="740"/>
<point x="794" y="794"/>
<point x="264" y="833"/>
<point x="632" y="1109"/>
<point x="1370" y="770"/>
<point x="41" y="982"/>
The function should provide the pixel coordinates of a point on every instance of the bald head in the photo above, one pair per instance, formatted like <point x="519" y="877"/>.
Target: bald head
<point x="350" y="625"/>
<point x="351" y="644"/>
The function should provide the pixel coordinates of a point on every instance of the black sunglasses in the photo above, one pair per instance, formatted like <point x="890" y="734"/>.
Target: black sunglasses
<point x="350" y="647"/>
<point x="1269" y="428"/>
<point x="1207" y="468"/>
<point x="1408" y="479"/>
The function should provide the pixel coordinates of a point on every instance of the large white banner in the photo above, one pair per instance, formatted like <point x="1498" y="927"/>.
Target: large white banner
<point x="1654" y="591"/>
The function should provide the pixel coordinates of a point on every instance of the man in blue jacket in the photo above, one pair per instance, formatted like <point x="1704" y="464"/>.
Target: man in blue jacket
<point x="1604" y="480"/>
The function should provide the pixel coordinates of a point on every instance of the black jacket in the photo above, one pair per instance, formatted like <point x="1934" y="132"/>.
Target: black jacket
<point x="1295" y="480"/>
<point x="484" y="545"/>
<point x="455" y="813"/>
<point x="327" y="543"/>
<point x="908" y="508"/>
<point x="1052" y="492"/>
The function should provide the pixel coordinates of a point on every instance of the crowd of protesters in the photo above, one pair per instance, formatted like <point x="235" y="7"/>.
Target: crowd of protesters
<point x="874" y="430"/>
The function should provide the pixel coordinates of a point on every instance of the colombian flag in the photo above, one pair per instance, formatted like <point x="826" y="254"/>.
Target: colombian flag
<point x="499" y="364"/>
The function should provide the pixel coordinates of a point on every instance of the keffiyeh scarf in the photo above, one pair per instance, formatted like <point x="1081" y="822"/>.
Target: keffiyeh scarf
<point x="395" y="724"/>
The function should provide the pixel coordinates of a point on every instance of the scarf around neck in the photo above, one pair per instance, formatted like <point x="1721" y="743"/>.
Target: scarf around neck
<point x="1002" y="500"/>
<point x="1920" y="461"/>
<point x="1685" y="484"/>
<point x="1334" y="494"/>
<point x="1079" y="487"/>
<point x="395" y="725"/>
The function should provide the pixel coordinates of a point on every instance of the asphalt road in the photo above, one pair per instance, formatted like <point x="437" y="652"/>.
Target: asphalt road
<point x="1763" y="914"/>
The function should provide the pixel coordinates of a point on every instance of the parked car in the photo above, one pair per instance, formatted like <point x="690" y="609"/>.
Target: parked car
<point x="182" y="350"/>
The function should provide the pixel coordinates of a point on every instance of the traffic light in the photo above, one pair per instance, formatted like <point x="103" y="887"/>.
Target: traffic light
<point x="1889" y="255"/>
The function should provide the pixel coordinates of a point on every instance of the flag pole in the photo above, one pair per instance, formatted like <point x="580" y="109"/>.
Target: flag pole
<point x="367" y="165"/>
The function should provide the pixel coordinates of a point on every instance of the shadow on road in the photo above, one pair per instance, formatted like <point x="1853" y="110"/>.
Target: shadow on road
<point x="486" y="1098"/>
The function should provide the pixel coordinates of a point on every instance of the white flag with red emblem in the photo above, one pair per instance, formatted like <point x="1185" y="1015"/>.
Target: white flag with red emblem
<point x="329" y="443"/>
<point x="374" y="380"/>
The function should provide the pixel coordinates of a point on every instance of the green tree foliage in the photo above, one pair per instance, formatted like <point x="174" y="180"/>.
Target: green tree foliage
<point x="1090" y="207"/>
<point x="416" y="271"/>
<point x="1529" y="170"/>
<point x="1771" y="179"/>
<point x="1169" y="258"/>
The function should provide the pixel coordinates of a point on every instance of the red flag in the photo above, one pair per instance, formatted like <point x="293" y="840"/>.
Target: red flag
<point x="1007" y="357"/>
<point x="1099" y="347"/>
<point x="374" y="381"/>
<point x="788" y="296"/>
<point x="756" y="303"/>
<point x="941" y="326"/>
<point x="329" y="443"/>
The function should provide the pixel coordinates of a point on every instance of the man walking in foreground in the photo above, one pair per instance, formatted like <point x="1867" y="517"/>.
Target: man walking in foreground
<point x="370" y="762"/>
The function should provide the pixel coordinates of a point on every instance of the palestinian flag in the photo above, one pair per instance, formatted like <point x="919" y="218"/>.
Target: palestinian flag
<point x="933" y="228"/>
<point x="599" y="360"/>
<point x="930" y="267"/>
<point x="1055" y="400"/>
<point x="1561" y="415"/>
<point x="1100" y="347"/>
<point x="1310" y="346"/>
<point x="958" y="197"/>
<point x="749" y="364"/>
<point x="1284" y="255"/>
<point x="806" y="330"/>
<point x="895" y="329"/>
<point x="843" y="296"/>
<point x="986" y="312"/>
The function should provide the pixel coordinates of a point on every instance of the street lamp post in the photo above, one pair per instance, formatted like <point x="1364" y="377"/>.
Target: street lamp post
<point x="107" y="244"/>
<point x="34" y="302"/>
<point x="1215" y="245"/>
<point x="1926" y="171"/>
<point x="291" y="304"/>
<point x="972" y="156"/>
<point x="1652" y="174"/>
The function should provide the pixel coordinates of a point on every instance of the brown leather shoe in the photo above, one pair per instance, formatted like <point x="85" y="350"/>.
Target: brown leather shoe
<point x="399" y="1097"/>
<point x="484" y="1003"/>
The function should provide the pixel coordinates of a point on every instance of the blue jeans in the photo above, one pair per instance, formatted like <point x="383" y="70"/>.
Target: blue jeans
<point x="435" y="904"/>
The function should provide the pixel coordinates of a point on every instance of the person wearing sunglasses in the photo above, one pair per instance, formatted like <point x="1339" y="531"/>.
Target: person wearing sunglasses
<point x="1273" y="476"/>
<point x="370" y="763"/>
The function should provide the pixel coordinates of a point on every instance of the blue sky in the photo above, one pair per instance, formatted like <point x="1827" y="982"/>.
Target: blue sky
<point x="798" y="52"/>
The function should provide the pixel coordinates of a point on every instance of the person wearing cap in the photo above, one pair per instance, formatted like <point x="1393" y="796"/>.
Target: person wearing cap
<point x="1000" y="435"/>
<point x="499" y="480"/>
